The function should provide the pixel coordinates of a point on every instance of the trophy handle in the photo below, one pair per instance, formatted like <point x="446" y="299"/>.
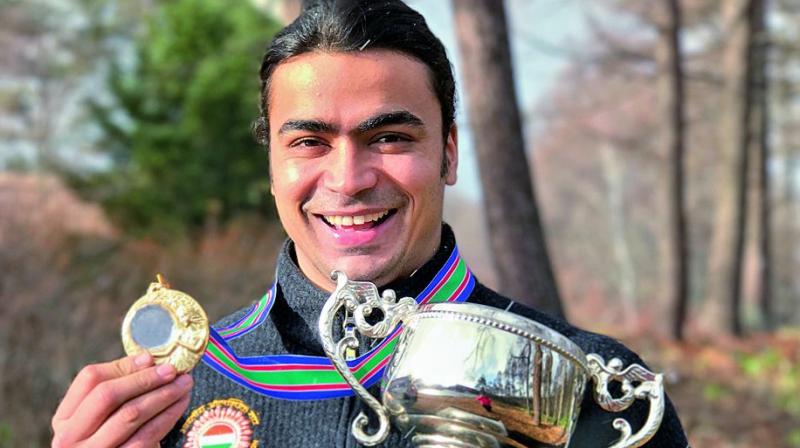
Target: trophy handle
<point x="650" y="386"/>
<point x="360" y="298"/>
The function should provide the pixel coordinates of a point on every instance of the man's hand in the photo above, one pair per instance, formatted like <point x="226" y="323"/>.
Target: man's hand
<point x="128" y="402"/>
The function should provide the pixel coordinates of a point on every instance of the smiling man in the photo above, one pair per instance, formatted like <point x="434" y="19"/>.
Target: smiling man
<point x="359" y="162"/>
<point x="357" y="113"/>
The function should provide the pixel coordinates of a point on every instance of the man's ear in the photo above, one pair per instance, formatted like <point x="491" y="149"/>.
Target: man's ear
<point x="451" y="155"/>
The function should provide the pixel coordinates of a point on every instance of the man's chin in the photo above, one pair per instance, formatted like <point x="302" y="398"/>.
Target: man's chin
<point x="363" y="275"/>
<point x="366" y="270"/>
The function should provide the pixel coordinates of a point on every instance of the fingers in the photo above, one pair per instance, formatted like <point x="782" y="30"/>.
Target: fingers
<point x="119" y="395"/>
<point x="146" y="419"/>
<point x="159" y="426"/>
<point x="92" y="375"/>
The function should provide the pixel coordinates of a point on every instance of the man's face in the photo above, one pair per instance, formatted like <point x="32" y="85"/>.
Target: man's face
<point x="356" y="154"/>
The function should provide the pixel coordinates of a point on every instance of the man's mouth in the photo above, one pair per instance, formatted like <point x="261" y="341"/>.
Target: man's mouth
<point x="358" y="222"/>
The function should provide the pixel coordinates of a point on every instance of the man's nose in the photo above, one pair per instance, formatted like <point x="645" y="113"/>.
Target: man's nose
<point x="350" y="169"/>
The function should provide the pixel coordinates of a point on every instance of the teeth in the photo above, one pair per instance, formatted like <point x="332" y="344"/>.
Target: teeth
<point x="354" y="220"/>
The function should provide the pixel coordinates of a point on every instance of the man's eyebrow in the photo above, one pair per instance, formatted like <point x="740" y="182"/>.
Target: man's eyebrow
<point x="389" y="118"/>
<point x="308" y="125"/>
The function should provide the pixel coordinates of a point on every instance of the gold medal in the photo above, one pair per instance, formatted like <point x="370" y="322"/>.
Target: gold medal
<point x="167" y="323"/>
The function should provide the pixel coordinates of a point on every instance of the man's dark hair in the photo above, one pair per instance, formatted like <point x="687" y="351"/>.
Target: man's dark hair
<point x="357" y="25"/>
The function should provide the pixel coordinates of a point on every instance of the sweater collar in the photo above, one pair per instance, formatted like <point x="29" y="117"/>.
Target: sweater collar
<point x="301" y="298"/>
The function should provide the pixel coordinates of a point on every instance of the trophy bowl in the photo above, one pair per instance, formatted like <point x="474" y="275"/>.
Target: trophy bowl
<point x="467" y="375"/>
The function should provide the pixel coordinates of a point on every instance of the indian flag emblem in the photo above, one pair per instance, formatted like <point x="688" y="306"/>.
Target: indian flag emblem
<point x="219" y="435"/>
<point x="221" y="424"/>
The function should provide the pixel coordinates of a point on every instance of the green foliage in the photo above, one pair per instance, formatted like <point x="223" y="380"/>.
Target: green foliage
<point x="715" y="392"/>
<point x="182" y="145"/>
<point x="780" y="374"/>
<point x="759" y="364"/>
<point x="794" y="438"/>
<point x="6" y="435"/>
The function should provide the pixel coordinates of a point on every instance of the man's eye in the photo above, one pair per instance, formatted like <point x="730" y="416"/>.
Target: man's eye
<point x="391" y="138"/>
<point x="306" y="143"/>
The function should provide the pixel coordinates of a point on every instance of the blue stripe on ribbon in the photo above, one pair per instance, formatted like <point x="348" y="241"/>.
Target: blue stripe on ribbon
<point x="270" y="299"/>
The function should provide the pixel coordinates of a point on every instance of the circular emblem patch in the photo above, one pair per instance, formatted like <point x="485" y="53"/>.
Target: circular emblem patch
<point x="221" y="424"/>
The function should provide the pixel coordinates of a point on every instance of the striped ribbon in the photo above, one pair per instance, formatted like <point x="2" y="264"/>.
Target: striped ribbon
<point x="254" y="317"/>
<point x="300" y="377"/>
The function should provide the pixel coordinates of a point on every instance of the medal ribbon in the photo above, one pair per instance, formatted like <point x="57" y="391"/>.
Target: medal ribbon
<point x="254" y="317"/>
<point x="301" y="377"/>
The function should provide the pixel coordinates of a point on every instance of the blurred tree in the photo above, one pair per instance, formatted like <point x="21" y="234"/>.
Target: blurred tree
<point x="736" y="137"/>
<point x="759" y="64"/>
<point x="178" y="128"/>
<point x="40" y="68"/>
<point x="607" y="131"/>
<point x="673" y="99"/>
<point x="615" y="72"/>
<point x="784" y="37"/>
<point x="516" y="233"/>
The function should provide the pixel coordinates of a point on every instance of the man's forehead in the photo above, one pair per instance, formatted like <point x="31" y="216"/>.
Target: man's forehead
<point x="380" y="56"/>
<point x="325" y="85"/>
<point x="319" y="69"/>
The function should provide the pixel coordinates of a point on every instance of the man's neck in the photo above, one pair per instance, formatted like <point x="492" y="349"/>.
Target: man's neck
<point x="445" y="244"/>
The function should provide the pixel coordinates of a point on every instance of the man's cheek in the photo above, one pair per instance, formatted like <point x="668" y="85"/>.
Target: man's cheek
<point x="292" y="173"/>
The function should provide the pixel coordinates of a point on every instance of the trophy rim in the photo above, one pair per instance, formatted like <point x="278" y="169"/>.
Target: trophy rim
<point x="510" y="322"/>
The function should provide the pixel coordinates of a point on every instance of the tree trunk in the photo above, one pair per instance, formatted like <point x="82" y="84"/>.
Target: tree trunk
<point x="725" y="271"/>
<point x="626" y="270"/>
<point x="516" y="235"/>
<point x="761" y="128"/>
<point x="785" y="211"/>
<point x="673" y="99"/>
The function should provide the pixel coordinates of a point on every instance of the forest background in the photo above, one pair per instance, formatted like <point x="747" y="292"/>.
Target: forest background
<point x="664" y="158"/>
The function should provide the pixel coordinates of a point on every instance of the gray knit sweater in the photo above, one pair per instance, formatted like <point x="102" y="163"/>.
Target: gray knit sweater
<point x="290" y="328"/>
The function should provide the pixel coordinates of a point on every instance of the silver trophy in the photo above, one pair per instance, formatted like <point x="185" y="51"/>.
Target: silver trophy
<point x="466" y="375"/>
